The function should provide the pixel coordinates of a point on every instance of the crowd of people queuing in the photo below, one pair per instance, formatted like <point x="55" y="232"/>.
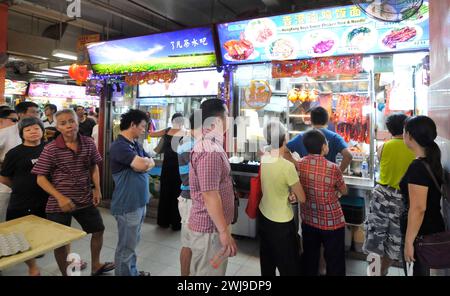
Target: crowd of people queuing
<point x="52" y="168"/>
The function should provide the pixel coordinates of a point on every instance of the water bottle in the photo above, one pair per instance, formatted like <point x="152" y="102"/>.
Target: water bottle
<point x="365" y="169"/>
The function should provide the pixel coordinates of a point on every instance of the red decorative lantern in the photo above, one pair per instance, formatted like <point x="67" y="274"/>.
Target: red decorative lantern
<point x="80" y="73"/>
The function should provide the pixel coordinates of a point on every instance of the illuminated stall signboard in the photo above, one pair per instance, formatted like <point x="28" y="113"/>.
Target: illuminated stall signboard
<point x="191" y="48"/>
<point x="326" y="32"/>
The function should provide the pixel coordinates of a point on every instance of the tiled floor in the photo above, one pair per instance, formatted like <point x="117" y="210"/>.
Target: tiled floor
<point x="158" y="253"/>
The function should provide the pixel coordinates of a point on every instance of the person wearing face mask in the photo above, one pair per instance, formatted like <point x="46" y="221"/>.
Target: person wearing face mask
<point x="27" y="198"/>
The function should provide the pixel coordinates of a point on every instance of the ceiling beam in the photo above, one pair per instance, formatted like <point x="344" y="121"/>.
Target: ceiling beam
<point x="153" y="12"/>
<point x="32" y="9"/>
<point x="122" y="14"/>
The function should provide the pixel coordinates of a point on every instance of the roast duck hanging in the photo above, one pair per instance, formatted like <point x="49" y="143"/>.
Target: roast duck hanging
<point x="352" y="124"/>
<point x="303" y="95"/>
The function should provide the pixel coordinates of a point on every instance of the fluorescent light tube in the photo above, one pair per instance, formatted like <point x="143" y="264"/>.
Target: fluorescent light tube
<point x="64" y="54"/>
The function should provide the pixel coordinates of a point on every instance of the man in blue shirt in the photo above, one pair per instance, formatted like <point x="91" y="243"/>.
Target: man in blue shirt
<point x="336" y="144"/>
<point x="129" y="166"/>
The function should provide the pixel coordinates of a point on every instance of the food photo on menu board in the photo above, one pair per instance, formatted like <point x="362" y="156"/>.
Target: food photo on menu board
<point x="319" y="33"/>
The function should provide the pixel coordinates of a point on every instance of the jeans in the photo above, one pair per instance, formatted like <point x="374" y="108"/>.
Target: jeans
<point x="129" y="226"/>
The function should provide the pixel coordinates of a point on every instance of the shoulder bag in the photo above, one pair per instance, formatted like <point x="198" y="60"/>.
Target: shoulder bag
<point x="433" y="250"/>
<point x="254" y="197"/>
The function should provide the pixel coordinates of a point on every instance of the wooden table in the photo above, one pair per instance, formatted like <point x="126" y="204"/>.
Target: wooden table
<point x="43" y="236"/>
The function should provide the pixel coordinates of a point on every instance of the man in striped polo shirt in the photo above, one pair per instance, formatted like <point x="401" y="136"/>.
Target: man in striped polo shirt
<point x="184" y="201"/>
<point x="71" y="163"/>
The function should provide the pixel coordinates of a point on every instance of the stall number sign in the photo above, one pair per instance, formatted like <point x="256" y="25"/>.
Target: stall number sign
<point x="258" y="94"/>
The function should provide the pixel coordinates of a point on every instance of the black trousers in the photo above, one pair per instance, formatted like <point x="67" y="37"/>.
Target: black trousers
<point x="279" y="247"/>
<point x="334" y="247"/>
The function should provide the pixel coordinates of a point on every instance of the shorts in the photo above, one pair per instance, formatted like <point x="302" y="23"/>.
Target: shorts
<point x="89" y="218"/>
<point x="184" y="207"/>
<point x="12" y="214"/>
<point x="382" y="228"/>
<point x="206" y="246"/>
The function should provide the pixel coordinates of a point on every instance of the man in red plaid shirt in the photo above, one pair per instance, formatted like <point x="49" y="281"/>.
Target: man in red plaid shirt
<point x="322" y="217"/>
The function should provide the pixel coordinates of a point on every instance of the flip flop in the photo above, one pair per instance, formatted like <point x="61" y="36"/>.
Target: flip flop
<point x="107" y="266"/>
<point x="82" y="264"/>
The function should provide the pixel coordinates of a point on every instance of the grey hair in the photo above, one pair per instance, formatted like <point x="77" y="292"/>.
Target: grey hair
<point x="275" y="134"/>
<point x="66" y="111"/>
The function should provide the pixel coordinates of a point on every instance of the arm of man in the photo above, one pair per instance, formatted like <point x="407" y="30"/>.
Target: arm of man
<point x="380" y="152"/>
<point x="347" y="158"/>
<point x="208" y="170"/>
<point x="290" y="148"/>
<point x="64" y="202"/>
<point x="142" y="164"/>
<point x="95" y="177"/>
<point x="213" y="204"/>
<point x="341" y="187"/>
<point x="43" y="168"/>
<point x="124" y="154"/>
<point x="288" y="156"/>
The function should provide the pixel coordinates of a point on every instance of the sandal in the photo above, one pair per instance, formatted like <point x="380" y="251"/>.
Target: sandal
<point x="82" y="264"/>
<point x="107" y="266"/>
<point x="144" y="273"/>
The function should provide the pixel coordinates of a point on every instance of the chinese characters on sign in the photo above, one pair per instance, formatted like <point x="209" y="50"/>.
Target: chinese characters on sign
<point x="327" y="32"/>
<point x="186" y="43"/>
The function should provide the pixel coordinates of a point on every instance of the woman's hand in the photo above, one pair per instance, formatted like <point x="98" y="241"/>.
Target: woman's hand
<point x="409" y="253"/>
<point x="292" y="198"/>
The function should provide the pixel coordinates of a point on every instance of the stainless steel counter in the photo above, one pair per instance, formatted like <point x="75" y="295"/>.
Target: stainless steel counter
<point x="360" y="183"/>
<point x="354" y="182"/>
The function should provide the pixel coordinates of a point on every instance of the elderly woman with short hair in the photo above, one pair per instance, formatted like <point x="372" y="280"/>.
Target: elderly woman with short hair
<point x="279" y="247"/>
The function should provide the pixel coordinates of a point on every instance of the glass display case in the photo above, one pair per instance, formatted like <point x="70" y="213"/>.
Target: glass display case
<point x="347" y="98"/>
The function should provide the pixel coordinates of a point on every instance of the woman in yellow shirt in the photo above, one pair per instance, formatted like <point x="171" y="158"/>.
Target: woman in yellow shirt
<point x="279" y="247"/>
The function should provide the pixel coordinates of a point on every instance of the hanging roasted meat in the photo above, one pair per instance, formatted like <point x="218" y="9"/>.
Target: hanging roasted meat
<point x="351" y="124"/>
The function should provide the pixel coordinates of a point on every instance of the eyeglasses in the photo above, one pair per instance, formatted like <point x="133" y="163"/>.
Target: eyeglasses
<point x="13" y="119"/>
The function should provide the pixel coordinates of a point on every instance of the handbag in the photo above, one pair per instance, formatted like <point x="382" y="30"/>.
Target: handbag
<point x="433" y="250"/>
<point x="254" y="197"/>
